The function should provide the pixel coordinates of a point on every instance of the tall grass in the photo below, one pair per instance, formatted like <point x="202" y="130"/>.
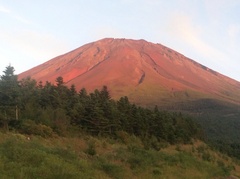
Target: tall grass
<point x="89" y="157"/>
<point x="20" y="158"/>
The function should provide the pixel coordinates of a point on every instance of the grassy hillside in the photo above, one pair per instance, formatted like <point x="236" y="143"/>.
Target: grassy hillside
<point x="219" y="119"/>
<point x="85" y="156"/>
<point x="135" y="141"/>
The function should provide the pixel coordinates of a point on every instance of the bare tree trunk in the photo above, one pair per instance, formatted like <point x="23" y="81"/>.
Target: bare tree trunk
<point x="16" y="112"/>
<point x="6" y="122"/>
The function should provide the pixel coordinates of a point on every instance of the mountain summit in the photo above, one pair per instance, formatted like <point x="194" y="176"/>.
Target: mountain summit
<point x="147" y="73"/>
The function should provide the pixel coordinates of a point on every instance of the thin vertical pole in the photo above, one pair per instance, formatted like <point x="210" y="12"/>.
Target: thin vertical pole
<point x="16" y="112"/>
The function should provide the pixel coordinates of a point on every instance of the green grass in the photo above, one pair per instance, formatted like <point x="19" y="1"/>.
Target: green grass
<point x="88" y="157"/>
<point x="21" y="158"/>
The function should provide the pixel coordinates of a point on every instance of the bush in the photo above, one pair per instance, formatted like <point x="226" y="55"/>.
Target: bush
<point x="31" y="128"/>
<point x="140" y="158"/>
<point x="113" y="170"/>
<point x="207" y="157"/>
<point x="152" y="142"/>
<point x="157" y="171"/>
<point x="201" y="149"/>
<point x="123" y="136"/>
<point x="91" y="150"/>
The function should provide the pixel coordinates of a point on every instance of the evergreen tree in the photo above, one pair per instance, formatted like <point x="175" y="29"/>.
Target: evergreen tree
<point x="9" y="93"/>
<point x="9" y="87"/>
<point x="28" y="99"/>
<point x="73" y="105"/>
<point x="59" y="81"/>
<point x="105" y="95"/>
<point x="58" y="107"/>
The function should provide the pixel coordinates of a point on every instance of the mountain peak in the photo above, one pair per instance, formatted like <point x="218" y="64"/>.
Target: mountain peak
<point x="142" y="70"/>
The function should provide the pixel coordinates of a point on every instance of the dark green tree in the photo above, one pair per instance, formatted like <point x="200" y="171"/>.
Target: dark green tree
<point x="9" y="93"/>
<point x="28" y="99"/>
<point x="9" y="87"/>
<point x="59" y="81"/>
<point x="104" y="93"/>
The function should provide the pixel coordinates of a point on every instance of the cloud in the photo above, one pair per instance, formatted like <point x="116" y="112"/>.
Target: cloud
<point x="210" y="45"/>
<point x="185" y="30"/>
<point x="29" y="47"/>
<point x="234" y="31"/>
<point x="4" y="10"/>
<point x="14" y="15"/>
<point x="233" y="37"/>
<point x="22" y="19"/>
<point x="217" y="7"/>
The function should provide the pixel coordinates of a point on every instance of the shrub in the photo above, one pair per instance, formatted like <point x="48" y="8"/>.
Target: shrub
<point x="140" y="158"/>
<point x="91" y="150"/>
<point x="31" y="128"/>
<point x="201" y="149"/>
<point x="152" y="142"/>
<point x="207" y="157"/>
<point x="113" y="170"/>
<point x="123" y="136"/>
<point x="157" y="171"/>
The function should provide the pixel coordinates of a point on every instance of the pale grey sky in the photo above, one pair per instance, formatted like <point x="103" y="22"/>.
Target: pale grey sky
<point x="207" y="31"/>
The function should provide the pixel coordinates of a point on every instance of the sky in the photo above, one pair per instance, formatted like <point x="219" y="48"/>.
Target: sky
<point x="207" y="31"/>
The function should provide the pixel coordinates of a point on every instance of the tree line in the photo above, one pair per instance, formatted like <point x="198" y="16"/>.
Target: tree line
<point x="46" y="109"/>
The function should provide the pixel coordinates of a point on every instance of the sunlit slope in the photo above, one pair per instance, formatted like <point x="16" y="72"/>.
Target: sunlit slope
<point x="147" y="73"/>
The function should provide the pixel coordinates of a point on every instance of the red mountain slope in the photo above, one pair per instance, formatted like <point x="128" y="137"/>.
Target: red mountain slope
<point x="148" y="73"/>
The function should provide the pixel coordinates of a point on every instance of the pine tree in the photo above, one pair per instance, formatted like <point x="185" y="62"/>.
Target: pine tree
<point x="9" y="93"/>
<point x="29" y="99"/>
<point x="9" y="87"/>
<point x="59" y="81"/>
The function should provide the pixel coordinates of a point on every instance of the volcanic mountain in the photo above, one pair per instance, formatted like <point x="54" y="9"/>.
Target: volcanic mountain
<point x="147" y="73"/>
<point x="151" y="74"/>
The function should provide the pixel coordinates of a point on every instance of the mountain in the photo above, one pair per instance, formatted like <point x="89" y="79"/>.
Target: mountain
<point x="151" y="74"/>
<point x="147" y="73"/>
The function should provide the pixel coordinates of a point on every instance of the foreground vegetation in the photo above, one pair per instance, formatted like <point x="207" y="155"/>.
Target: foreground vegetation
<point x="49" y="109"/>
<point x="52" y="131"/>
<point x="219" y="120"/>
<point x="24" y="156"/>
